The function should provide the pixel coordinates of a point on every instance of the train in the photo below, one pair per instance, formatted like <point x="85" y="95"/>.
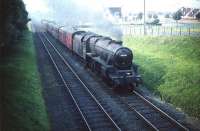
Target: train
<point x="103" y="55"/>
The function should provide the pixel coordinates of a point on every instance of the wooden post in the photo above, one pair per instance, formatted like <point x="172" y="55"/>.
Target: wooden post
<point x="171" y="31"/>
<point x="189" y="31"/>
<point x="144" y="22"/>
<point x="164" y="30"/>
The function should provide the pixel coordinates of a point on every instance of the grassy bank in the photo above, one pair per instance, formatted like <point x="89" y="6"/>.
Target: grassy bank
<point x="23" y="104"/>
<point x="170" y="66"/>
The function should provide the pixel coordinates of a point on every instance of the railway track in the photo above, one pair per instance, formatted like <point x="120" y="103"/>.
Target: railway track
<point x="155" y="118"/>
<point x="128" y="120"/>
<point x="92" y="112"/>
<point x="151" y="114"/>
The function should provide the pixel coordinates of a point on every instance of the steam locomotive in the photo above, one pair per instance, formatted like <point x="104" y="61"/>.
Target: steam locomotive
<point x="101" y="54"/>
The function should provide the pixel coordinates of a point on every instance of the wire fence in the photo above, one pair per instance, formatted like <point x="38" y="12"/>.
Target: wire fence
<point x="158" y="30"/>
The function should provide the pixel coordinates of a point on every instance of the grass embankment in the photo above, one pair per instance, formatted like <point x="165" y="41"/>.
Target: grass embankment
<point x="23" y="104"/>
<point x="170" y="66"/>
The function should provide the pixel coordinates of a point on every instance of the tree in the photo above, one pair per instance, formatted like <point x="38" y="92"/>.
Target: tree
<point x="177" y="15"/>
<point x="155" y="16"/>
<point x="14" y="18"/>
<point x="155" y="21"/>
<point x="149" y="16"/>
<point x="167" y="15"/>
<point x="140" y="16"/>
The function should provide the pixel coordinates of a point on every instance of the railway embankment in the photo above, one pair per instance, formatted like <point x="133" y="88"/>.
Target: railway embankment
<point x="22" y="102"/>
<point x="170" y="68"/>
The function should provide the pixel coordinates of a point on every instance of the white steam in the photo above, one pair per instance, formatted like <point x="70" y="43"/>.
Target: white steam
<point x="73" y="13"/>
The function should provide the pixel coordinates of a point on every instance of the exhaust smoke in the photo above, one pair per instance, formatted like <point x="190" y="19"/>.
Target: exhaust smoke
<point x="77" y="13"/>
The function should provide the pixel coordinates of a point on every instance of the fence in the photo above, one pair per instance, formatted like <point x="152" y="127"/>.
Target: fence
<point x="158" y="30"/>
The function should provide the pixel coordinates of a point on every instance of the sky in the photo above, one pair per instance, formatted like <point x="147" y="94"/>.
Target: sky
<point x="153" y="5"/>
<point x="93" y="10"/>
<point x="70" y="13"/>
<point x="134" y="5"/>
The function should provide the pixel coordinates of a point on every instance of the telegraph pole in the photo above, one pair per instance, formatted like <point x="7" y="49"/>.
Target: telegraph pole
<point x="144" y="22"/>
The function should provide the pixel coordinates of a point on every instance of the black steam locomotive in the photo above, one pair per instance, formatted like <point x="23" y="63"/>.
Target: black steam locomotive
<point x="103" y="55"/>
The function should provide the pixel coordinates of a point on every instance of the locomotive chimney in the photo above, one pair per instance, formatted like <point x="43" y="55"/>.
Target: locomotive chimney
<point x="119" y="42"/>
<point x="116" y="41"/>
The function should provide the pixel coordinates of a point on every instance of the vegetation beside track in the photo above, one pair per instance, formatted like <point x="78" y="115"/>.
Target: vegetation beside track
<point x="23" y="104"/>
<point x="13" y="20"/>
<point x="170" y="67"/>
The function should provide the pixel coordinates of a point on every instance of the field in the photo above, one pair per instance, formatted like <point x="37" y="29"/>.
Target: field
<point x="170" y="67"/>
<point x="23" y="104"/>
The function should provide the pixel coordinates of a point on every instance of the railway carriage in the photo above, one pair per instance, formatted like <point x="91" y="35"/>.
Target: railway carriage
<point x="62" y="36"/>
<point x="65" y="37"/>
<point x="68" y="41"/>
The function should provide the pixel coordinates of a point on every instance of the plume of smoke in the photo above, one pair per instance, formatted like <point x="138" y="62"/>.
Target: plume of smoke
<point x="78" y="12"/>
<point x="105" y="27"/>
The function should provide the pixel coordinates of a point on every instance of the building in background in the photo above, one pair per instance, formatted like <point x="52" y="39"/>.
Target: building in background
<point x="189" y="13"/>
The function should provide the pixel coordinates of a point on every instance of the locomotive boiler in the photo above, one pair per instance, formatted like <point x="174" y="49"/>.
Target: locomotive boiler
<point x="115" y="62"/>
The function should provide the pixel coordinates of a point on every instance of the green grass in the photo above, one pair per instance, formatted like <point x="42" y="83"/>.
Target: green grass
<point x="170" y="67"/>
<point x="23" y="104"/>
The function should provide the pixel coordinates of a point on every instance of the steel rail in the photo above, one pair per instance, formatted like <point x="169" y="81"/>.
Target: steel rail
<point x="61" y="76"/>
<point x="175" y="122"/>
<point x="84" y="85"/>
<point x="146" y="120"/>
<point x="172" y="121"/>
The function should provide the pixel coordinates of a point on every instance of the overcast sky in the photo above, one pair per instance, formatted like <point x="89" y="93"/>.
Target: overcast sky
<point x="135" y="5"/>
<point x="91" y="10"/>
<point x="154" y="5"/>
<point x="76" y="12"/>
